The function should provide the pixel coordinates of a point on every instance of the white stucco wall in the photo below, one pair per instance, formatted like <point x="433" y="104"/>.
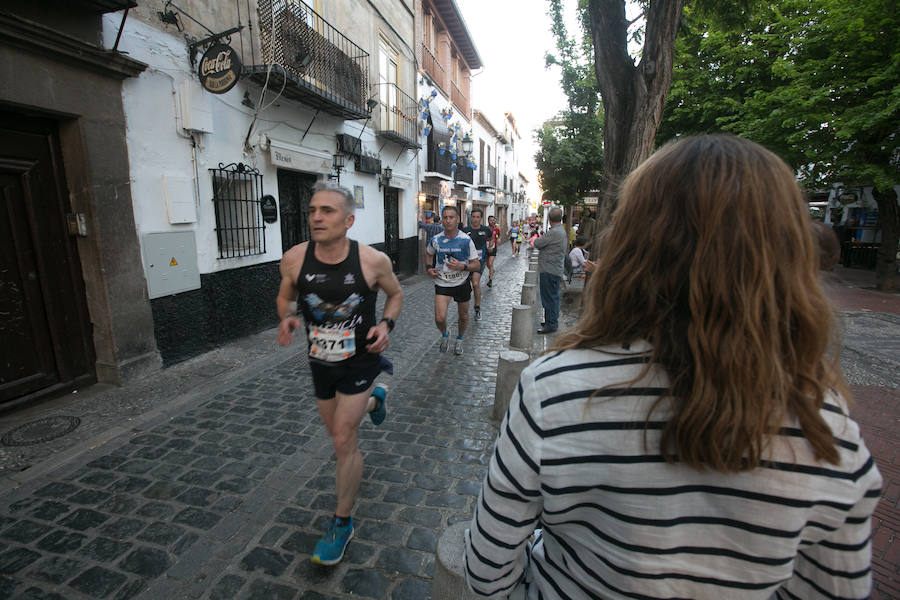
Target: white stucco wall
<point x="158" y="146"/>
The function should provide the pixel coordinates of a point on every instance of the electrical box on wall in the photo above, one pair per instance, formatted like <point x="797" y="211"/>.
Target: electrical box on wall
<point x="194" y="107"/>
<point x="178" y="193"/>
<point x="170" y="262"/>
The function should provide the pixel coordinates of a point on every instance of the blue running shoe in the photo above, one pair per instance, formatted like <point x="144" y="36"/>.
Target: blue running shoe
<point x="330" y="548"/>
<point x="380" y="412"/>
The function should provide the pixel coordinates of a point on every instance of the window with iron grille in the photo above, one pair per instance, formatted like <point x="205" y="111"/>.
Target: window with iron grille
<point x="240" y="230"/>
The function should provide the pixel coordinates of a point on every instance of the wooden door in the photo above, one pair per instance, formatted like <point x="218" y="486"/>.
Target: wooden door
<point x="392" y="226"/>
<point x="45" y="331"/>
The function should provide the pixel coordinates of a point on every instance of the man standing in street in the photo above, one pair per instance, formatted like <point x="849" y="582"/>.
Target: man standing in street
<point x="455" y="257"/>
<point x="493" y="244"/>
<point x="481" y="235"/>
<point x="335" y="282"/>
<point x="552" y="246"/>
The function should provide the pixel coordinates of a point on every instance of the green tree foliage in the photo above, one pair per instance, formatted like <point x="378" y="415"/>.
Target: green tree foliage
<point x="570" y="147"/>
<point x="816" y="81"/>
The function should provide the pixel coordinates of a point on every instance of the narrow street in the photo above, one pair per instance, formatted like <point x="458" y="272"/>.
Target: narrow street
<point x="217" y="485"/>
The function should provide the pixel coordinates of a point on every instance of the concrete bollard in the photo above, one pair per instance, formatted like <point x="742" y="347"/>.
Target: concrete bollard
<point x="531" y="277"/>
<point x="449" y="581"/>
<point x="521" y="333"/>
<point x="529" y="294"/>
<point x="509" y="368"/>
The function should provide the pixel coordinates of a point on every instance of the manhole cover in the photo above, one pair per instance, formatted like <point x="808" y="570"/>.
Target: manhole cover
<point x="42" y="430"/>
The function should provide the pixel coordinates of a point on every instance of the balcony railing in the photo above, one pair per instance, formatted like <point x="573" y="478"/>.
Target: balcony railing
<point x="395" y="115"/>
<point x="463" y="172"/>
<point x="460" y="100"/>
<point x="314" y="62"/>
<point x="437" y="161"/>
<point x="488" y="177"/>
<point x="432" y="66"/>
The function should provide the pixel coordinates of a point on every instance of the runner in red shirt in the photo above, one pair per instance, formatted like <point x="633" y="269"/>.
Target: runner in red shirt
<point x="492" y="245"/>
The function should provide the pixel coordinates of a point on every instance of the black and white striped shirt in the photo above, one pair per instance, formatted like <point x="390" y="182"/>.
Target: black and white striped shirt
<point x="620" y="522"/>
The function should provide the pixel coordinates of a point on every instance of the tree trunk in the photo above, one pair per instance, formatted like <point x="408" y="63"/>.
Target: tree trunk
<point x="633" y="96"/>
<point x="889" y="214"/>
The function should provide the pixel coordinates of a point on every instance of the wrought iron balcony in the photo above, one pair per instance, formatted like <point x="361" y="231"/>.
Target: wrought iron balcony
<point x="395" y="115"/>
<point x="314" y="62"/>
<point x="488" y="177"/>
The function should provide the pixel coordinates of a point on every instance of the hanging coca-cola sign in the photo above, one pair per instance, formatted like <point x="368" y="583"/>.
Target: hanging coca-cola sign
<point x="220" y="68"/>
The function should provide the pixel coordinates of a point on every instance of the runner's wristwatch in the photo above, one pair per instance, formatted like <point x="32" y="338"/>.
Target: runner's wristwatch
<point x="390" y="323"/>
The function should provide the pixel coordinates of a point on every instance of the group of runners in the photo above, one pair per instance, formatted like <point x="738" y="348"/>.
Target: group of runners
<point x="333" y="282"/>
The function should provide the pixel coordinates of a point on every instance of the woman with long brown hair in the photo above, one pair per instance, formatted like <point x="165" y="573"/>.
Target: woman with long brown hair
<point x="690" y="437"/>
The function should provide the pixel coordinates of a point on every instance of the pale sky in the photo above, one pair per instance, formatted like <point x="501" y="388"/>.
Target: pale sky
<point x="512" y="37"/>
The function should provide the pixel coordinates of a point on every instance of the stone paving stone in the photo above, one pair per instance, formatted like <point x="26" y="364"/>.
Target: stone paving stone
<point x="412" y="589"/>
<point x="422" y="539"/>
<point x="146" y="562"/>
<point x="266" y="560"/>
<point x="104" y="550"/>
<point x="120" y="504"/>
<point x="131" y="589"/>
<point x="25" y="531"/>
<point x="400" y="560"/>
<point x="161" y="534"/>
<point x="129" y="484"/>
<point x="34" y="593"/>
<point x="16" y="559"/>
<point x="98" y="582"/>
<point x="122" y="528"/>
<point x="366" y="583"/>
<point x="266" y="590"/>
<point x="227" y="587"/>
<point x="61" y="542"/>
<point x="51" y="510"/>
<point x="199" y="519"/>
<point x="155" y="510"/>
<point x="56" y="569"/>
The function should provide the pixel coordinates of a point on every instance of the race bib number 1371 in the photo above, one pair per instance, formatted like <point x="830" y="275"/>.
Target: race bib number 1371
<point x="331" y="345"/>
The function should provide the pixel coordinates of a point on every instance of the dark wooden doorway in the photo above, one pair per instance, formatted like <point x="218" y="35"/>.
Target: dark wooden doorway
<point x="45" y="329"/>
<point x="294" y="191"/>
<point x="392" y="226"/>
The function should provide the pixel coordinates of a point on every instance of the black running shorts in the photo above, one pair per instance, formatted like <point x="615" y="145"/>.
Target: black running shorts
<point x="459" y="293"/>
<point x="347" y="379"/>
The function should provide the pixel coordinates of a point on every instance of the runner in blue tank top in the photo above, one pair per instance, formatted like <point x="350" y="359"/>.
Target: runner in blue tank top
<point x="335" y="282"/>
<point x="455" y="258"/>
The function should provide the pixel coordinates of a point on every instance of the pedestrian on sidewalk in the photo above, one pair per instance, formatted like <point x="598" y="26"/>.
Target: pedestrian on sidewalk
<point x="690" y="438"/>
<point x="335" y="280"/>
<point x="492" y="245"/>
<point x="455" y="258"/>
<point x="481" y="235"/>
<point x="552" y="247"/>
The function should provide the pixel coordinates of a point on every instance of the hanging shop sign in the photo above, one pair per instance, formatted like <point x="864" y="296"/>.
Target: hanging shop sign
<point x="220" y="68"/>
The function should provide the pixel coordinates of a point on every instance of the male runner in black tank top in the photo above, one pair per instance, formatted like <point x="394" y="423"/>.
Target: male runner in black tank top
<point x="335" y="281"/>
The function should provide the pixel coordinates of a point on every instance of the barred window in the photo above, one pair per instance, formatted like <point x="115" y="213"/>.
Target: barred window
<point x="240" y="230"/>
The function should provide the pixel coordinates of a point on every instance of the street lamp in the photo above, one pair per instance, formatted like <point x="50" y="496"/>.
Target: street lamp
<point x="467" y="144"/>
<point x="385" y="179"/>
<point x="338" y="162"/>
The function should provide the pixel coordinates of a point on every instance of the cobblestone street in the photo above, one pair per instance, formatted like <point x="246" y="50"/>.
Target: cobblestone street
<point x="222" y="491"/>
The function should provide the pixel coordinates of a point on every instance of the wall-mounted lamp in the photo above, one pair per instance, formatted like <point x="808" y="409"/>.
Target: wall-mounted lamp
<point x="385" y="179"/>
<point x="421" y="198"/>
<point x="371" y="103"/>
<point x="467" y="144"/>
<point x="338" y="162"/>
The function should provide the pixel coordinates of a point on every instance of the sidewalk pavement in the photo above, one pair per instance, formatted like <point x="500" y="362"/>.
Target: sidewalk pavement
<point x="214" y="478"/>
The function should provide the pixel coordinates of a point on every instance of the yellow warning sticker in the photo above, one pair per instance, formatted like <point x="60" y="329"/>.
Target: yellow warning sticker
<point x="173" y="262"/>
